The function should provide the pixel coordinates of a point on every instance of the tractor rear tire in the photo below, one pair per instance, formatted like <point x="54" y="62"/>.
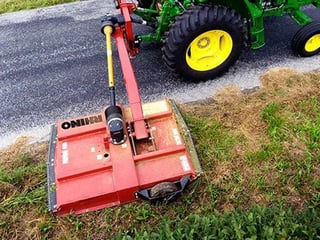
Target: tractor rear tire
<point x="144" y="3"/>
<point x="204" y="42"/>
<point x="306" y="42"/>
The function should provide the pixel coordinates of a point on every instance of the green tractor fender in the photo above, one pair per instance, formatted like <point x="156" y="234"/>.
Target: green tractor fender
<point x="201" y="39"/>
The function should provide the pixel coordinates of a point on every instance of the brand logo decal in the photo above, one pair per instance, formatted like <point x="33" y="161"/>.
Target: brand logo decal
<point x="81" y="122"/>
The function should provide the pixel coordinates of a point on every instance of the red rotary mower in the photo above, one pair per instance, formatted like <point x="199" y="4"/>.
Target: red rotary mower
<point x="122" y="153"/>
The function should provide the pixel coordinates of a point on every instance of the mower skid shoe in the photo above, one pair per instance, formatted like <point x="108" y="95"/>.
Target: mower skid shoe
<point x="52" y="198"/>
<point x="185" y="132"/>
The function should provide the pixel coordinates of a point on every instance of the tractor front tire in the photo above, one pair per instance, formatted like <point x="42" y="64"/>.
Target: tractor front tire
<point x="204" y="42"/>
<point x="306" y="42"/>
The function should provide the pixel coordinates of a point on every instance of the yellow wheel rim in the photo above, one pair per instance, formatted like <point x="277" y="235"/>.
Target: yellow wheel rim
<point x="209" y="50"/>
<point x="313" y="43"/>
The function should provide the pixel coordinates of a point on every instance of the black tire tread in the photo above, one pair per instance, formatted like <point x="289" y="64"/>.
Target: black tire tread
<point x="189" y="22"/>
<point x="301" y="36"/>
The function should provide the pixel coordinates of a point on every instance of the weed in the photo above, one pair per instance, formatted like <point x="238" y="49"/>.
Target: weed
<point x="283" y="165"/>
<point x="316" y="184"/>
<point x="213" y="141"/>
<point x="33" y="197"/>
<point x="315" y="200"/>
<point x="256" y="223"/>
<point x="45" y="228"/>
<point x="266" y="153"/>
<point x="4" y="176"/>
<point x="214" y="193"/>
<point x="271" y="114"/>
<point x="236" y="176"/>
<point x="259" y="182"/>
<point x="143" y="213"/>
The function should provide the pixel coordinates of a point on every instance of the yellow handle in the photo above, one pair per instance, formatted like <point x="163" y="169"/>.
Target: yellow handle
<point x="108" y="31"/>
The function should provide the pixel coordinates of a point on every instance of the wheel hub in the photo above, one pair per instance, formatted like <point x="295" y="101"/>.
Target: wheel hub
<point x="209" y="50"/>
<point x="204" y="42"/>
<point x="313" y="43"/>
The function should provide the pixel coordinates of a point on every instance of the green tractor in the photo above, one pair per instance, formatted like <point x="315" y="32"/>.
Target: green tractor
<point x="203" y="38"/>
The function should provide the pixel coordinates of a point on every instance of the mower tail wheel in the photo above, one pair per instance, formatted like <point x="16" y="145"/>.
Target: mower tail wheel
<point x="306" y="42"/>
<point x="204" y="42"/>
<point x="163" y="189"/>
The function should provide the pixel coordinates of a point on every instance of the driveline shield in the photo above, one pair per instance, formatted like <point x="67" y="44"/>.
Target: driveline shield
<point x="115" y="124"/>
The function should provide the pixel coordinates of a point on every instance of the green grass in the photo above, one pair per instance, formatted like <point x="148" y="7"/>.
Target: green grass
<point x="261" y="166"/>
<point x="203" y="131"/>
<point x="17" y="5"/>
<point x="260" y="181"/>
<point x="256" y="223"/>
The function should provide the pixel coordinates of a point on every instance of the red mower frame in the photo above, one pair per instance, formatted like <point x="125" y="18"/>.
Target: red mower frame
<point x="89" y="170"/>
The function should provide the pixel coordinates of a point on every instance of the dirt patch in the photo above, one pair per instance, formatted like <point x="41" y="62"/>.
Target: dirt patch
<point x="9" y="157"/>
<point x="241" y="112"/>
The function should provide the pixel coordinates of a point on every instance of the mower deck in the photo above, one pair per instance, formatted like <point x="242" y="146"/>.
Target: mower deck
<point x="87" y="172"/>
